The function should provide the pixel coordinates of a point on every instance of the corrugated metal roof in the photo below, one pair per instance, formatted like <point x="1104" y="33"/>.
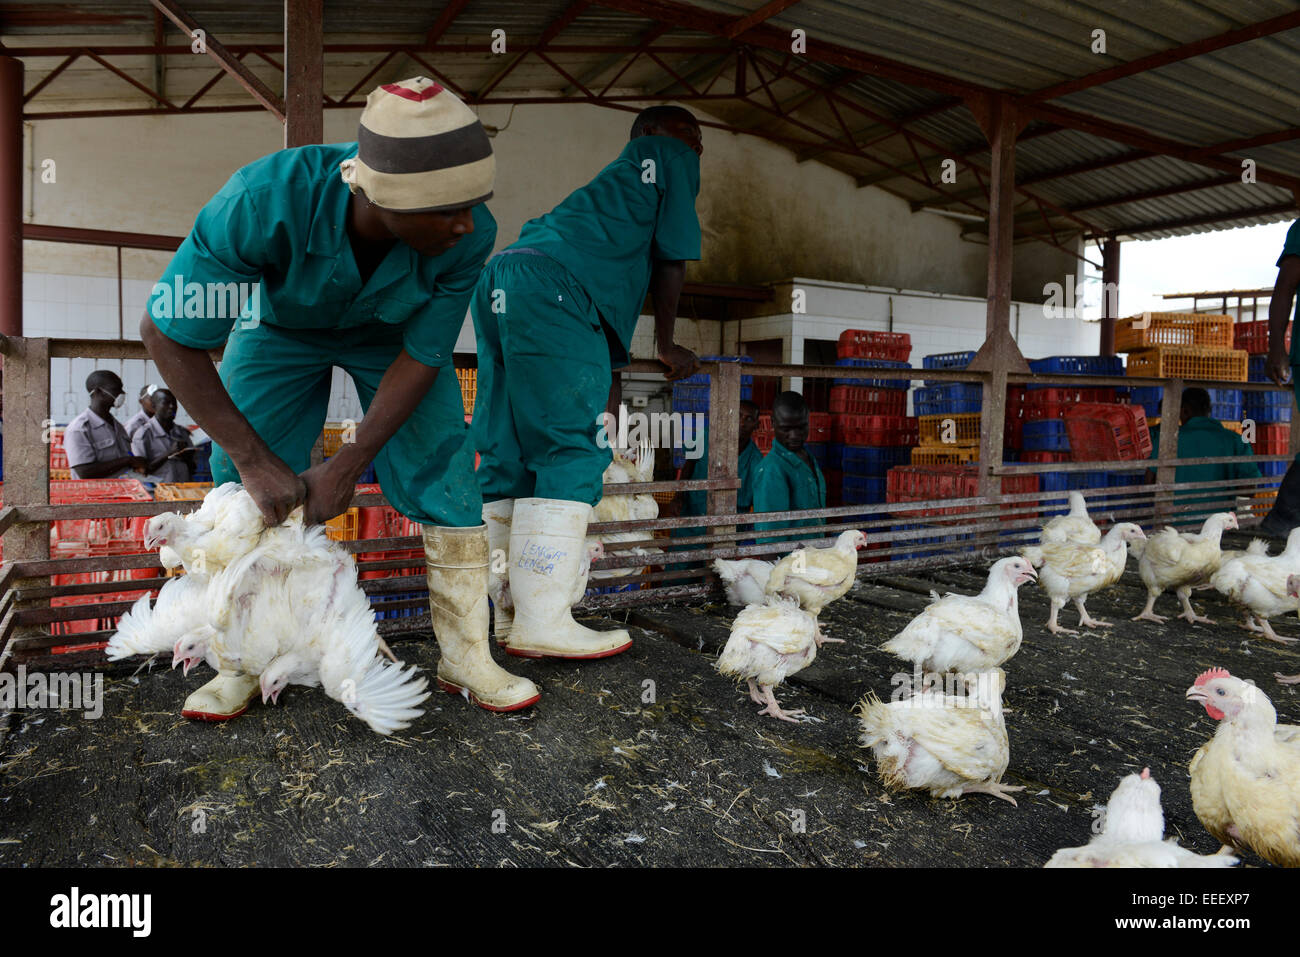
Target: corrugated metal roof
<point x="1237" y="92"/>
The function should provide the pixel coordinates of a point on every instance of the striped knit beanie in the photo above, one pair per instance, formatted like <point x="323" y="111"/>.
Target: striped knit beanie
<point x="420" y="149"/>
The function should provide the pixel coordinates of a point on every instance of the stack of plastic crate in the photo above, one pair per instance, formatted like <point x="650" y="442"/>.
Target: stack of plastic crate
<point x="58" y="457"/>
<point x="691" y="399"/>
<point x="1044" y="438"/>
<point x="1166" y="345"/>
<point x="937" y="484"/>
<point x="867" y="413"/>
<point x="1252" y="337"/>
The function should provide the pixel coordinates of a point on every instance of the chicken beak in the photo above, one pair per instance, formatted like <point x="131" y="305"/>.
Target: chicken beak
<point x="265" y="696"/>
<point x="1196" y="693"/>
<point x="275" y="696"/>
<point x="189" y="663"/>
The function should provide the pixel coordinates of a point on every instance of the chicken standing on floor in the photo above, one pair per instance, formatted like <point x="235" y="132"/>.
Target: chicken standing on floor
<point x="1133" y="832"/>
<point x="968" y="633"/>
<point x="1068" y="570"/>
<point x="949" y="745"/>
<point x="744" y="580"/>
<point x="769" y="643"/>
<point x="1258" y="584"/>
<point x="1181" y="560"/>
<point x="1073" y="527"/>
<point x="815" y="577"/>
<point x="1246" y="779"/>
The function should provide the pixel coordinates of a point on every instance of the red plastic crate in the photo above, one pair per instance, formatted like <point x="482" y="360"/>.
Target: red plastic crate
<point x="819" y="427"/>
<point x="1039" y="458"/>
<point x="764" y="440"/>
<point x="858" y="400"/>
<point x="1102" y="433"/>
<point x="926" y="483"/>
<point x="865" y="344"/>
<point x="1053" y="403"/>
<point x="876" y="431"/>
<point x="1273" y="439"/>
<point x="1253" y="337"/>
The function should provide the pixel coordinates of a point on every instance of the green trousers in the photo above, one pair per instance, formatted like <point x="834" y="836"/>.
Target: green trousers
<point x="543" y="380"/>
<point x="280" y="380"/>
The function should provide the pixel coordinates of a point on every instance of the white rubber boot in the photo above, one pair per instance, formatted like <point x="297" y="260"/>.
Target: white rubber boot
<point x="548" y="541"/>
<point x="457" y="568"/>
<point x="496" y="516"/>
<point x="224" y="697"/>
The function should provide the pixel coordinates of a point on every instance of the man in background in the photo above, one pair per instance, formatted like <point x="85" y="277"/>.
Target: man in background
<point x="1202" y="436"/>
<point x="1285" y="514"/>
<point x="95" y="442"/>
<point x="144" y="413"/>
<point x="789" y="477"/>
<point x="167" y="449"/>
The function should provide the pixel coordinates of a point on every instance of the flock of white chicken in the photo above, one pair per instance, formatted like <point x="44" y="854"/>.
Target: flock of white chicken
<point x="948" y="736"/>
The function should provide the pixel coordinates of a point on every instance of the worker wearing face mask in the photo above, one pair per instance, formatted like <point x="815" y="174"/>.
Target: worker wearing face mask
<point x="144" y="415"/>
<point x="96" y="444"/>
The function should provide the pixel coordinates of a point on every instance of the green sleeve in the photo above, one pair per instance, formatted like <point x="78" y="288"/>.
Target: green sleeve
<point x="1291" y="246"/>
<point x="430" y="335"/>
<point x="227" y="245"/>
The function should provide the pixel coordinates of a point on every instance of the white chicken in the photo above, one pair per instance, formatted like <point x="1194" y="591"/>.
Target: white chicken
<point x="1246" y="779"/>
<point x="745" y="580"/>
<point x="768" y="643"/>
<point x="1259" y="585"/>
<point x="630" y="465"/>
<point x="1180" y="561"/>
<point x="226" y="526"/>
<point x="1068" y="570"/>
<point x="1076" y="526"/>
<point x="151" y="630"/>
<point x="1132" y="834"/>
<point x="968" y="633"/>
<point x="948" y="744"/>
<point x="815" y="577"/>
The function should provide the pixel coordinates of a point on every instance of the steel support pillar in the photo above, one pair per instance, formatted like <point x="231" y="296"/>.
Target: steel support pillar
<point x="11" y="196"/>
<point x="1109" y="295"/>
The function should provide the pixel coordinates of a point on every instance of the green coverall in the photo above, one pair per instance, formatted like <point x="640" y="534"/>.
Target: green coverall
<point x="281" y="222"/>
<point x="783" y="483"/>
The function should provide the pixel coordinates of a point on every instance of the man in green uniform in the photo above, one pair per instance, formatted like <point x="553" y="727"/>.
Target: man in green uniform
<point x="362" y="256"/>
<point x="788" y="478"/>
<point x="1285" y="514"/>
<point x="1202" y="436"/>
<point x="747" y="462"/>
<point x="554" y="316"/>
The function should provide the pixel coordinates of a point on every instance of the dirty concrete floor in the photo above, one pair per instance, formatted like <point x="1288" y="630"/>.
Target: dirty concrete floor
<point x="648" y="758"/>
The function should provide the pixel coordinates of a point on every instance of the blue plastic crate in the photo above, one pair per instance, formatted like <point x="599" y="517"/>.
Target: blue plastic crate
<point x="202" y="463"/>
<point x="864" y="462"/>
<point x="1048" y="435"/>
<point x="1070" y="481"/>
<point x="932" y="545"/>
<point x="381" y="605"/>
<point x="613" y="589"/>
<point x="951" y="398"/>
<point x="702" y="378"/>
<point x="1268" y="407"/>
<point x="1121" y="479"/>
<point x="861" y="490"/>
<point x="818" y="451"/>
<point x="835" y="455"/>
<point x="1225" y="404"/>
<point x="1273" y="468"/>
<point x="874" y="364"/>
<point x="1255" y="369"/>
<point x="946" y="360"/>
<point x="695" y="398"/>
<point x="1149" y="397"/>
<point x="1075" y="365"/>
<point x="368" y="476"/>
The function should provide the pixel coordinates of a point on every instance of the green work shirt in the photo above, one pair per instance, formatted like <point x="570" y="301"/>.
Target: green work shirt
<point x="281" y="221"/>
<point x="747" y="463"/>
<point x="783" y="482"/>
<point x="1291" y="247"/>
<point x="638" y="209"/>
<point x="1205" y="437"/>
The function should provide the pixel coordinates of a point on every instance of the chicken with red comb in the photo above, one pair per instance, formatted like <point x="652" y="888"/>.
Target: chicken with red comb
<point x="1246" y="779"/>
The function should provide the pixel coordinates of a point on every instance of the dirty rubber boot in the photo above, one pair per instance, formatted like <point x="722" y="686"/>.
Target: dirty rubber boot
<point x="224" y="697"/>
<point x="456" y="560"/>
<point x="548" y="542"/>
<point x="496" y="516"/>
<point x="1285" y="513"/>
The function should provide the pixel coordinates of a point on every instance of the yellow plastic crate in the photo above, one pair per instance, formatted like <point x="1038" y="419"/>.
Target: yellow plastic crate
<point x="343" y="528"/>
<point x="60" y="475"/>
<point x="468" y="379"/>
<point x="1231" y="426"/>
<point x="1189" y="362"/>
<point x="945" y="455"/>
<point x="181" y="491"/>
<point x="332" y="439"/>
<point x="965" y="431"/>
<point x="663" y="498"/>
<point x="1173" y="329"/>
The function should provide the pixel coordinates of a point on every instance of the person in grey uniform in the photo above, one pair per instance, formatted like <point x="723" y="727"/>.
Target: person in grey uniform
<point x="145" y="412"/>
<point x="95" y="442"/>
<point x="166" y="447"/>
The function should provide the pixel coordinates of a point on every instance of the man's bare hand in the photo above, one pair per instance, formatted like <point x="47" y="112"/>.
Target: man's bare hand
<point x="274" y="487"/>
<point x="330" y="487"/>
<point x="1277" y="367"/>
<point x="681" y="362"/>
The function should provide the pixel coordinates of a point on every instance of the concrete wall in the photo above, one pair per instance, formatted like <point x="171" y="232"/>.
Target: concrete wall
<point x="764" y="216"/>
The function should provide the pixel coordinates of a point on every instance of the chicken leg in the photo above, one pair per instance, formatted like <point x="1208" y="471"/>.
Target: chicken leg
<point x="1086" y="620"/>
<point x="995" y="788"/>
<point x="821" y="638"/>
<point x="1286" y="679"/>
<point x="1052" y="626"/>
<point x="1266" y="631"/>
<point x="1189" y="613"/>
<point x="754" y="694"/>
<point x="1148" y="613"/>
<point x="774" y="710"/>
